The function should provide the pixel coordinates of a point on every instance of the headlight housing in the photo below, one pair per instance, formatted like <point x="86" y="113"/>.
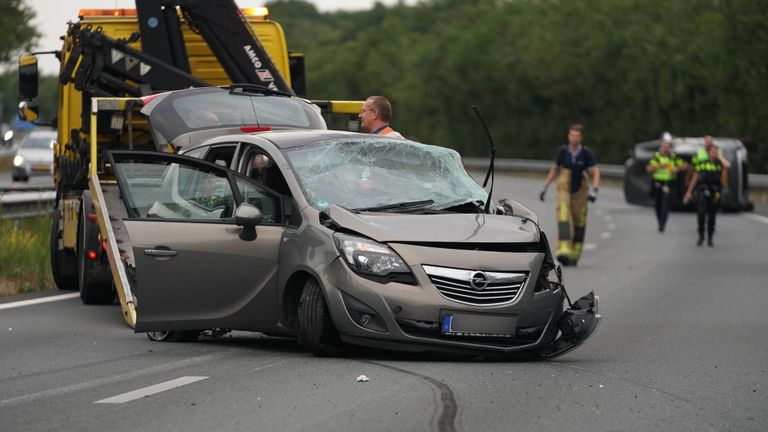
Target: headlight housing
<point x="373" y="260"/>
<point x="18" y="160"/>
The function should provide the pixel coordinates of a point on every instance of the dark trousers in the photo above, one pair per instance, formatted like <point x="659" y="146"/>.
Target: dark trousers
<point x="661" y="199"/>
<point x="706" y="210"/>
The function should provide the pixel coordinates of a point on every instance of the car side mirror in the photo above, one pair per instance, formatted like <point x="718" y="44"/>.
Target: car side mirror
<point x="248" y="216"/>
<point x="28" y="111"/>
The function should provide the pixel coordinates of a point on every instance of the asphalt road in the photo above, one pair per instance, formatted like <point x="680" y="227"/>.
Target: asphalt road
<point x="683" y="346"/>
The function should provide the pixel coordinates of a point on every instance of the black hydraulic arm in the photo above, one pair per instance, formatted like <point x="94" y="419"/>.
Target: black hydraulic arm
<point x="102" y="66"/>
<point x="230" y="38"/>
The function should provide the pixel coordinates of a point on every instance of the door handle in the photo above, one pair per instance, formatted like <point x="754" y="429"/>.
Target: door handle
<point x="160" y="252"/>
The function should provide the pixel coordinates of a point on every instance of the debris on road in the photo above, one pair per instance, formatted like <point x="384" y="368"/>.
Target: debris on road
<point x="362" y="378"/>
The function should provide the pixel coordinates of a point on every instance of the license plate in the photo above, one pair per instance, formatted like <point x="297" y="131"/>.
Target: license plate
<point x="478" y="325"/>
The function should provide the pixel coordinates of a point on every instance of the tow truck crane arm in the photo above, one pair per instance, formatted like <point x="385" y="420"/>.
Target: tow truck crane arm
<point x="225" y="31"/>
<point x="102" y="66"/>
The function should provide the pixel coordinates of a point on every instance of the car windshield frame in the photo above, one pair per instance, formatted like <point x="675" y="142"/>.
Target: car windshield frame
<point x="363" y="172"/>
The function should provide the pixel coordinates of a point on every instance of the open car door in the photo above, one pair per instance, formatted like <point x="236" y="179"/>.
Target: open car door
<point x="203" y="243"/>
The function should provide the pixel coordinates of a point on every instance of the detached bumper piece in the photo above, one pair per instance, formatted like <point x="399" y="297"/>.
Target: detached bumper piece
<point x="577" y="324"/>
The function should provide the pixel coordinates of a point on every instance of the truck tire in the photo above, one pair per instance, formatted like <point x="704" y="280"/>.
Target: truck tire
<point x="174" y="336"/>
<point x="63" y="282"/>
<point x="92" y="292"/>
<point x="316" y="331"/>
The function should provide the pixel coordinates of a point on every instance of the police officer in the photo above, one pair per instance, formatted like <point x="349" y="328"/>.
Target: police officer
<point x="706" y="184"/>
<point x="663" y="169"/>
<point x="572" y="163"/>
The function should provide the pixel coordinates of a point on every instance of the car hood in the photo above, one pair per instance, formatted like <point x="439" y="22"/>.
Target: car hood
<point x="437" y="228"/>
<point x="36" y="155"/>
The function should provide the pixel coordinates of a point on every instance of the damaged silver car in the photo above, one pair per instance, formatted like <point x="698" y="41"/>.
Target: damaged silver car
<point x="340" y="239"/>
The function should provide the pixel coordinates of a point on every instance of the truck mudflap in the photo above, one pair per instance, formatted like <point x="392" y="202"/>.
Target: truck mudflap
<point x="577" y="324"/>
<point x="119" y="274"/>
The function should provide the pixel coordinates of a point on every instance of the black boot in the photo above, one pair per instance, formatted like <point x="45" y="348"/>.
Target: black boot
<point x="701" y="239"/>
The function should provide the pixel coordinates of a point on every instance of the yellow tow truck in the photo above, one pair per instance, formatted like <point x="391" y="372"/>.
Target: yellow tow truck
<point x="112" y="62"/>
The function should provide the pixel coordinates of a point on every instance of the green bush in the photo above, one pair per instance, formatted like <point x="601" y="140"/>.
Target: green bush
<point x="24" y="256"/>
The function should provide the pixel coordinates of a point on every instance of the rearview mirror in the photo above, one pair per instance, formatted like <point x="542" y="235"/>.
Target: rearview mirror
<point x="248" y="216"/>
<point x="28" y="77"/>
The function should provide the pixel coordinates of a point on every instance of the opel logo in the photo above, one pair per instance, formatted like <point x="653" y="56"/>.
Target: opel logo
<point x="479" y="280"/>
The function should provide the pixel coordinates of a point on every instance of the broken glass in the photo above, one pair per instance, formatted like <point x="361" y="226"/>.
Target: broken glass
<point x="359" y="173"/>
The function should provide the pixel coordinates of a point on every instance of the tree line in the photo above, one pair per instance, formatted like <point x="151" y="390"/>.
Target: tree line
<point x="626" y="69"/>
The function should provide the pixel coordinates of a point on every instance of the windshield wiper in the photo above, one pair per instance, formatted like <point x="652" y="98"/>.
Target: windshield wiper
<point x="396" y="206"/>
<point x="471" y="206"/>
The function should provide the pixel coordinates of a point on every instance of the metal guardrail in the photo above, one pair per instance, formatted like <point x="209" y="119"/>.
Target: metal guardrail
<point x="756" y="181"/>
<point x="18" y="205"/>
<point x="20" y="201"/>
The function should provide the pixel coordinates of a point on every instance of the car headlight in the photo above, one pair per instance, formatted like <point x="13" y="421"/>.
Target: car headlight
<point x="372" y="260"/>
<point x="18" y="160"/>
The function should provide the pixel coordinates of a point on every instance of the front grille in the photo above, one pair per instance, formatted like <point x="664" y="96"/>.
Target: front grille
<point x="488" y="288"/>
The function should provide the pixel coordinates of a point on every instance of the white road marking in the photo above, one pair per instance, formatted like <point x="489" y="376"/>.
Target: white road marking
<point x="605" y="235"/>
<point x="756" y="217"/>
<point x="175" y="365"/>
<point x="153" y="389"/>
<point x="38" y="301"/>
<point x="611" y="226"/>
<point x="590" y="246"/>
<point x="608" y="218"/>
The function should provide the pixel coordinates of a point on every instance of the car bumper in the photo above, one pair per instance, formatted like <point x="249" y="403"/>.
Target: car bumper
<point x="29" y="170"/>
<point x="412" y="317"/>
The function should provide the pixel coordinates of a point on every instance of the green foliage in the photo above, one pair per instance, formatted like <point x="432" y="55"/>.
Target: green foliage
<point x="18" y="34"/>
<point x="48" y="93"/>
<point x="24" y="259"/>
<point x="626" y="69"/>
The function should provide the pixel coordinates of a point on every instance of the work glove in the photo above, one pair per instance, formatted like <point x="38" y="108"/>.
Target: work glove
<point x="592" y="197"/>
<point x="543" y="194"/>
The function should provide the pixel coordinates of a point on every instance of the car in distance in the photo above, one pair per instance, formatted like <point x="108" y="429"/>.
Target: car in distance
<point x="34" y="155"/>
<point x="637" y="181"/>
<point x="339" y="239"/>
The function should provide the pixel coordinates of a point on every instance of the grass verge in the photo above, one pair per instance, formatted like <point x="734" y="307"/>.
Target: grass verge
<point x="24" y="256"/>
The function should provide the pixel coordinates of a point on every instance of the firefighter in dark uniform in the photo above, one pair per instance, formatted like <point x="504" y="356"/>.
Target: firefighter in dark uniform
<point x="663" y="169"/>
<point x="572" y="163"/>
<point x="705" y="188"/>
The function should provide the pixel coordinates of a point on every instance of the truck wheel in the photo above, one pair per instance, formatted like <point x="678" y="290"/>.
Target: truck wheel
<point x="63" y="282"/>
<point x="174" y="336"/>
<point x="316" y="331"/>
<point x="91" y="293"/>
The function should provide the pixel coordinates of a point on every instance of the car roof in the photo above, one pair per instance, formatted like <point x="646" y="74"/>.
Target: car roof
<point x="688" y="145"/>
<point x="286" y="139"/>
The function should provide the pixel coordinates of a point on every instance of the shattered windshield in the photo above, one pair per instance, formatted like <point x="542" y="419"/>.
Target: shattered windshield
<point x="366" y="173"/>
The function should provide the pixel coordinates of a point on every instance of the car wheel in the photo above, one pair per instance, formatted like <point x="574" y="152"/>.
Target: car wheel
<point x="174" y="336"/>
<point x="63" y="282"/>
<point x="90" y="293"/>
<point x="316" y="331"/>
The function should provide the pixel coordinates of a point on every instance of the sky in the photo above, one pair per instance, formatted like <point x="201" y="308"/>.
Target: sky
<point x="52" y="17"/>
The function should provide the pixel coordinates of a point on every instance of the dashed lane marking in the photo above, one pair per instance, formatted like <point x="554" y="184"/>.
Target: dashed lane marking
<point x="756" y="217"/>
<point x="590" y="246"/>
<point x="153" y="389"/>
<point x="605" y="235"/>
<point x="611" y="226"/>
<point x="38" y="301"/>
